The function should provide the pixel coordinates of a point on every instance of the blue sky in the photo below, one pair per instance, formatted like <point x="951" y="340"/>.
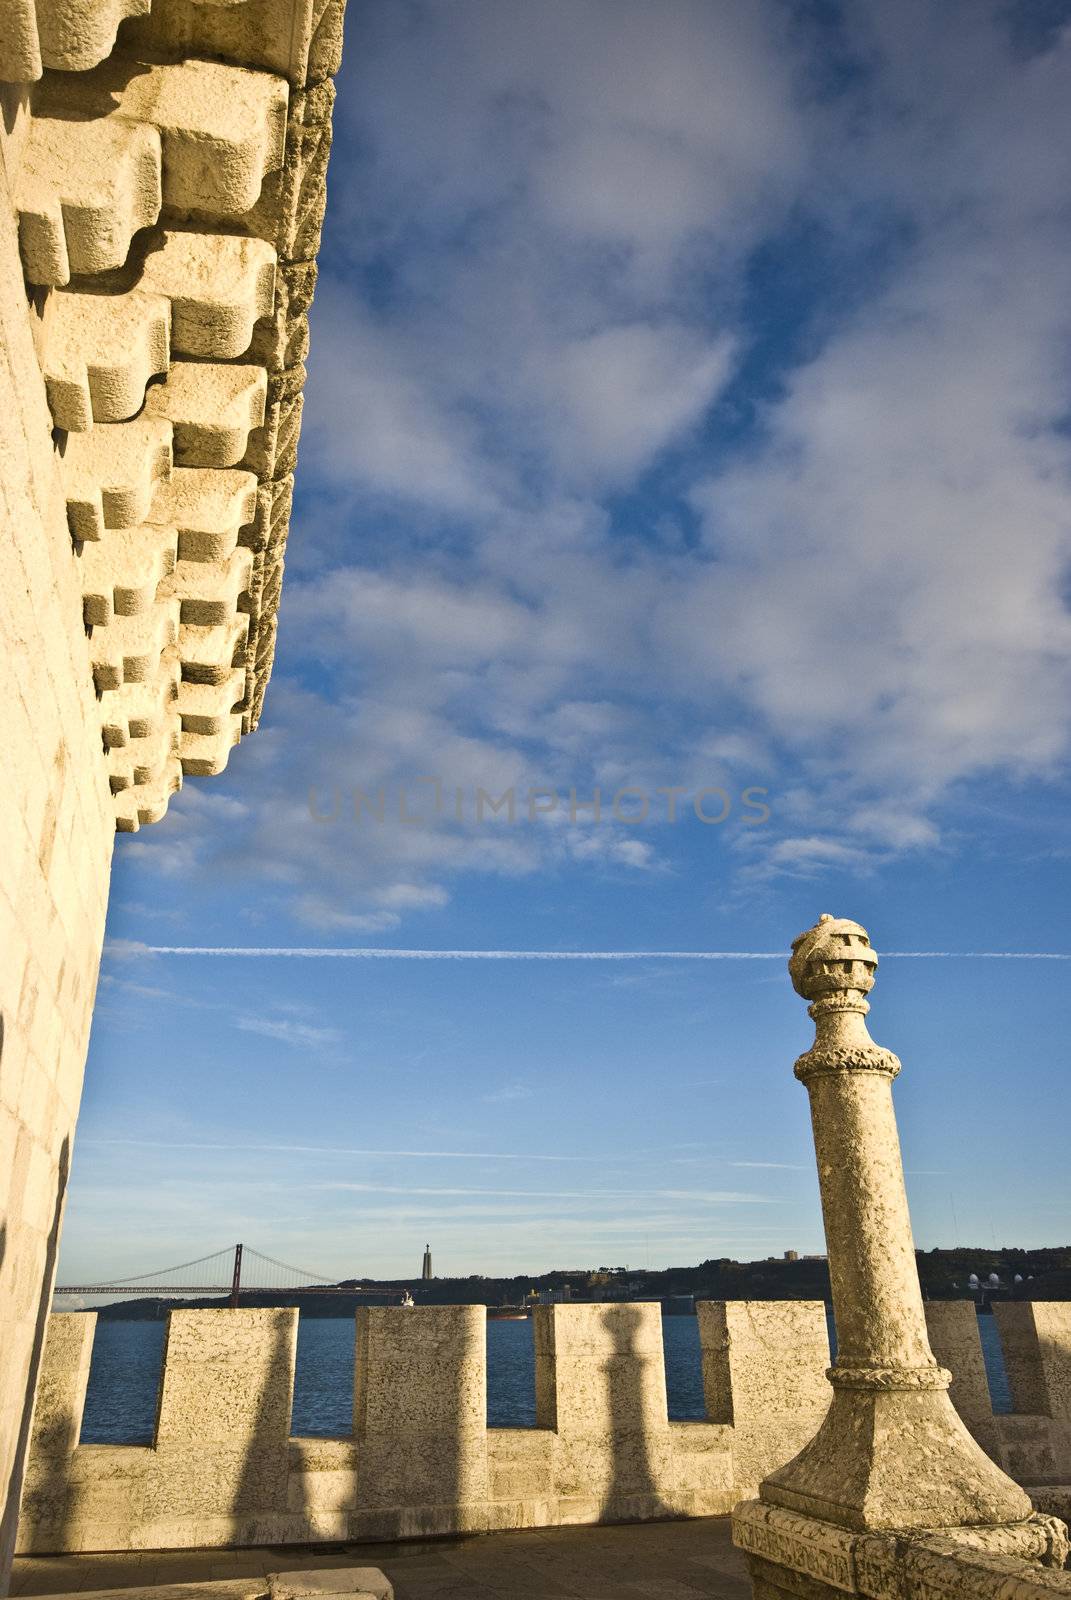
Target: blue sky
<point x="688" y="410"/>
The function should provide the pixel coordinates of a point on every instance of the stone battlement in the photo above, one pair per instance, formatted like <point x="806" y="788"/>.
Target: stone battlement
<point x="223" y="1468"/>
<point x="1033" y="1442"/>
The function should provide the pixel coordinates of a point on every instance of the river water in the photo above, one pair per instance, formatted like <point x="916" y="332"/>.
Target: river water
<point x="125" y="1375"/>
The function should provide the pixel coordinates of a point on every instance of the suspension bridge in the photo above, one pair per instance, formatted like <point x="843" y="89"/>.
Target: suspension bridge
<point x="227" y="1272"/>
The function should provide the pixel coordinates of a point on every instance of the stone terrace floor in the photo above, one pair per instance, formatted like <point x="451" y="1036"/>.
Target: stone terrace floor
<point x="638" y="1561"/>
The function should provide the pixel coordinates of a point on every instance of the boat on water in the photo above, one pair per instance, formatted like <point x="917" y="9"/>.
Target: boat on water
<point x="507" y="1314"/>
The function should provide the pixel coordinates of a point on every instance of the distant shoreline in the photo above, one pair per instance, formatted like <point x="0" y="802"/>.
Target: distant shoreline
<point x="1042" y="1274"/>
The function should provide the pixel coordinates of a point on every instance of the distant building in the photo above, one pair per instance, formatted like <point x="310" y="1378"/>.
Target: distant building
<point x="425" y="1271"/>
<point x="792" y="1255"/>
<point x="554" y="1297"/>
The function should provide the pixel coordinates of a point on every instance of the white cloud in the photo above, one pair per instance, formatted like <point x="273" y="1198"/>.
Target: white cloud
<point x="809" y="857"/>
<point x="780" y="1166"/>
<point x="387" y="615"/>
<point x="373" y="418"/>
<point x="544" y="187"/>
<point x="318" y="1150"/>
<point x="303" y="1035"/>
<point x="634" y="1196"/>
<point x="624" y="392"/>
<point x="890" y="563"/>
<point x="322" y="912"/>
<point x="507" y="1094"/>
<point x="556" y="206"/>
<point x="603" y="120"/>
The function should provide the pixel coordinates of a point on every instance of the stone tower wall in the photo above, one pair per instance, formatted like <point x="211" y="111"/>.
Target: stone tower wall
<point x="162" y="183"/>
<point x="57" y="825"/>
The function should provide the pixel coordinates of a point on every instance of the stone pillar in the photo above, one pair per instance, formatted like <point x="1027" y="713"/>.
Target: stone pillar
<point x="892" y="1452"/>
<point x="420" y="1421"/>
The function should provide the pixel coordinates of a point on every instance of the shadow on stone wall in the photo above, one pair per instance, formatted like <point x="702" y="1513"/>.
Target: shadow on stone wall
<point x="221" y="1453"/>
<point x="217" y="1472"/>
<point x="420" y="1461"/>
<point x="264" y="1491"/>
<point x="635" y="1429"/>
<point x="10" y="1518"/>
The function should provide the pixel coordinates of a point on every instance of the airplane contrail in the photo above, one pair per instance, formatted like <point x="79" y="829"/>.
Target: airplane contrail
<point x="131" y="948"/>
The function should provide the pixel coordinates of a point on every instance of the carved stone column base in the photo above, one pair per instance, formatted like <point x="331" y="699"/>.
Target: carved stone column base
<point x="791" y="1557"/>
<point x="895" y="1458"/>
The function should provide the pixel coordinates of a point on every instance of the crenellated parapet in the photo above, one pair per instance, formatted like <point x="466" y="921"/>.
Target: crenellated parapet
<point x="420" y="1458"/>
<point x="224" y="1467"/>
<point x="167" y="168"/>
<point x="1032" y="1442"/>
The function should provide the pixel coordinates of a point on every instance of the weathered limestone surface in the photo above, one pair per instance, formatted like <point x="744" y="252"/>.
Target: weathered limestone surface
<point x="355" y="1583"/>
<point x="220" y="1589"/>
<point x="56" y="822"/>
<point x="419" y="1421"/>
<point x="237" y="1388"/>
<point x="162" y="183"/>
<point x="794" y="1557"/>
<point x="169" y="181"/>
<point x="212" y="408"/>
<point x="69" y="34"/>
<point x="952" y="1326"/>
<point x="421" y="1459"/>
<point x="893" y="1462"/>
<point x="218" y="286"/>
<point x="1035" y="1442"/>
<point x="221" y="129"/>
<point x="363" y="1583"/>
<point x="109" y="475"/>
<point x="765" y="1360"/>
<point x="85" y="189"/>
<point x="100" y="352"/>
<point x="299" y="39"/>
<point x="601" y="1388"/>
<point x="892" y="1452"/>
<point x="61" y="1390"/>
<point x="1036" y="1339"/>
